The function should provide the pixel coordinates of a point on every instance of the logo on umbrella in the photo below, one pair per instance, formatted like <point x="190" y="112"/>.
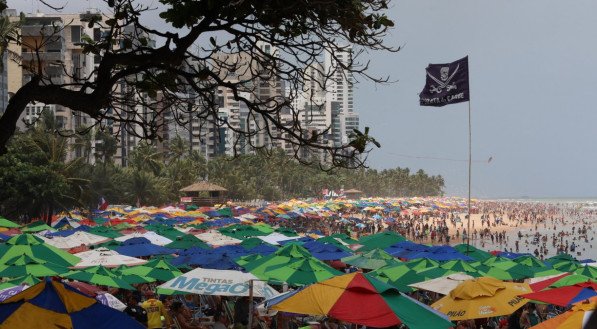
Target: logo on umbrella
<point x="486" y="309"/>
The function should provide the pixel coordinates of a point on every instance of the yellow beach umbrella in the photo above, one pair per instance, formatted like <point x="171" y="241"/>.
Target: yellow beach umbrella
<point x="482" y="298"/>
<point x="574" y="318"/>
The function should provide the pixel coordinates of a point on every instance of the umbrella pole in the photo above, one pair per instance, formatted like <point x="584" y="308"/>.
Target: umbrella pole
<point x="250" y="320"/>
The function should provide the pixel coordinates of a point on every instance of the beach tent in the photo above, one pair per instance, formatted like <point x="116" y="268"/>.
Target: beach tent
<point x="51" y="304"/>
<point x="217" y="282"/>
<point x="106" y="258"/>
<point x="362" y="300"/>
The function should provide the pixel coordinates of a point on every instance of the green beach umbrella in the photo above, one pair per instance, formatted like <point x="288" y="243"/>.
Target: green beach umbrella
<point x="160" y="270"/>
<point x="333" y="241"/>
<point x="130" y="278"/>
<point x="380" y="240"/>
<point x="35" y="247"/>
<point x="420" y="264"/>
<point x="343" y="237"/>
<point x="169" y="232"/>
<point x="105" y="231"/>
<point x="460" y="266"/>
<point x="497" y="273"/>
<point x="286" y="231"/>
<point x="544" y="271"/>
<point x="28" y="280"/>
<point x="251" y="243"/>
<point x="37" y="226"/>
<point x="501" y="262"/>
<point x="284" y="255"/>
<point x="437" y="272"/>
<point x="566" y="266"/>
<point x="187" y="241"/>
<point x="529" y="261"/>
<point x="561" y="258"/>
<point x="299" y="272"/>
<point x="244" y="260"/>
<point x="399" y="276"/>
<point x="7" y="223"/>
<point x="241" y="232"/>
<point x="474" y="253"/>
<point x="265" y="228"/>
<point x="371" y="260"/>
<point x="570" y="280"/>
<point x="112" y="244"/>
<point x="24" y="265"/>
<point x="99" y="275"/>
<point x="587" y="270"/>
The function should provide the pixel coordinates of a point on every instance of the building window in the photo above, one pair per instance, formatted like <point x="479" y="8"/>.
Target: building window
<point x="75" y="34"/>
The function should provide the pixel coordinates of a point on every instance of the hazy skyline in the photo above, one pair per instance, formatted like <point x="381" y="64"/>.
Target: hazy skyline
<point x="533" y="76"/>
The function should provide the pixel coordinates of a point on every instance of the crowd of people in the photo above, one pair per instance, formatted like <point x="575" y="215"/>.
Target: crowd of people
<point x="548" y="229"/>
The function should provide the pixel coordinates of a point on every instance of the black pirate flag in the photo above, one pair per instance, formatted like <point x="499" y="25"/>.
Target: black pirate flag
<point x="446" y="84"/>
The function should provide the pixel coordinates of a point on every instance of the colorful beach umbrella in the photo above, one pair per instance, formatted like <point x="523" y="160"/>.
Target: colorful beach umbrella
<point x="360" y="299"/>
<point x="482" y="298"/>
<point x="575" y="318"/>
<point x="565" y="296"/>
<point x="34" y="247"/>
<point x="51" y="304"/>
<point x="24" y="265"/>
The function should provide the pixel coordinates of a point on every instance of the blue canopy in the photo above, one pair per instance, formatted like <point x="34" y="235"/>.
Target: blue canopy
<point x="141" y="247"/>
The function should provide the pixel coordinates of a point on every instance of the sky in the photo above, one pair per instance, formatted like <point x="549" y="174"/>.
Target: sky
<point x="533" y="82"/>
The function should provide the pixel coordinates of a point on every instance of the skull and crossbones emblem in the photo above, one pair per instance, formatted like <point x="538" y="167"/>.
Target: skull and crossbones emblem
<point x="444" y="81"/>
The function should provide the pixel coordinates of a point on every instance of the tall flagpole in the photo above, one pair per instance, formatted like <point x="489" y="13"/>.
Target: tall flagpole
<point x="469" y="233"/>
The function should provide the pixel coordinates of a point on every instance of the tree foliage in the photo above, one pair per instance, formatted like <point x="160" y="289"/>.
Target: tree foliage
<point x="38" y="179"/>
<point x="209" y="45"/>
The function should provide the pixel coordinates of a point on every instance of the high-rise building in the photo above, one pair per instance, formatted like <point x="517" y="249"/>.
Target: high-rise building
<point x="340" y="96"/>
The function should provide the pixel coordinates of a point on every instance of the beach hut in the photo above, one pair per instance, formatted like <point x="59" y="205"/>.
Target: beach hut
<point x="353" y="194"/>
<point x="204" y="194"/>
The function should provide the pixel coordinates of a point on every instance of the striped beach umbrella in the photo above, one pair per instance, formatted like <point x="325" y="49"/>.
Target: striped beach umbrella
<point x="35" y="247"/>
<point x="99" y="275"/>
<point x="24" y="265"/>
<point x="360" y="299"/>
